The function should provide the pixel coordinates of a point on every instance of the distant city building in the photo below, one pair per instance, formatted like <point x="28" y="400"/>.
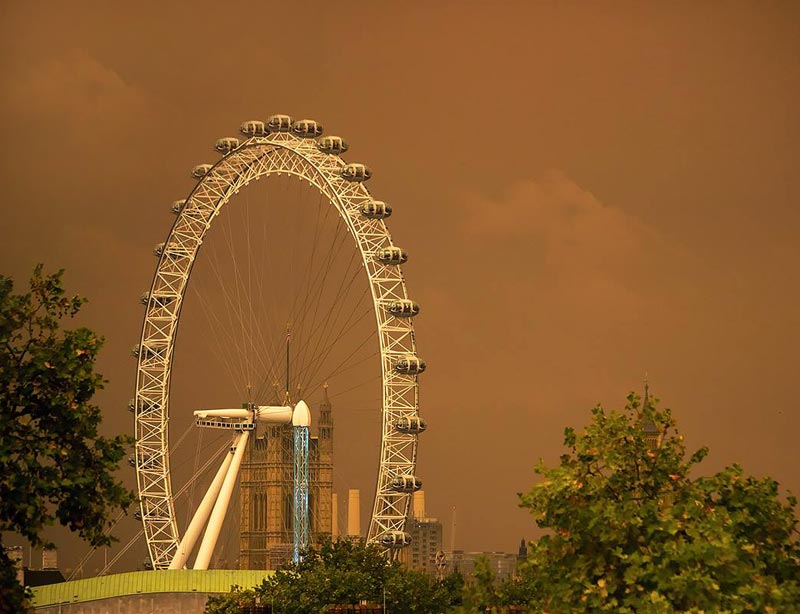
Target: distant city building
<point x="353" y="513"/>
<point x="502" y="564"/>
<point x="426" y="541"/>
<point x="266" y="493"/>
<point x="49" y="558"/>
<point x="48" y="574"/>
<point x="426" y="538"/>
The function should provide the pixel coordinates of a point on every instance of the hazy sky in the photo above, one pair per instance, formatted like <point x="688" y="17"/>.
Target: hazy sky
<point x="589" y="192"/>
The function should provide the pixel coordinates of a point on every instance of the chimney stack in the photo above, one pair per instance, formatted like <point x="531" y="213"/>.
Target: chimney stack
<point x="354" y="513"/>
<point x="49" y="558"/>
<point x="419" y="505"/>
<point x="334" y="516"/>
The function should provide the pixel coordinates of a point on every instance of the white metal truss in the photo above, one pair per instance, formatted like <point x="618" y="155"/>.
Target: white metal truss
<point x="276" y="154"/>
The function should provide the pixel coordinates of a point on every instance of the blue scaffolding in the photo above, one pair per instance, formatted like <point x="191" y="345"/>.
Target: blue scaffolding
<point x="301" y="528"/>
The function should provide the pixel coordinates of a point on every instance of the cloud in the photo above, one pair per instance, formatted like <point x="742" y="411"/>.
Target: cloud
<point x="569" y="252"/>
<point x="565" y="228"/>
<point x="72" y="92"/>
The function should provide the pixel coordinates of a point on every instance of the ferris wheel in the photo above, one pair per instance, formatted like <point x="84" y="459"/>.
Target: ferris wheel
<point x="280" y="146"/>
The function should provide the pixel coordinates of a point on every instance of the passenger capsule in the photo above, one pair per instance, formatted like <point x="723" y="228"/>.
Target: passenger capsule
<point x="201" y="170"/>
<point x="403" y="308"/>
<point x="332" y="145"/>
<point x="376" y="210"/>
<point x="356" y="172"/>
<point x="253" y="127"/>
<point x="145" y="406"/>
<point x="226" y="145"/>
<point x="159" y="300"/>
<point x="409" y="365"/>
<point x="173" y="253"/>
<point x="307" y="128"/>
<point x="146" y="461"/>
<point x="148" y="564"/>
<point x="138" y="515"/>
<point x="406" y="483"/>
<point x="410" y="425"/>
<point x="279" y="123"/>
<point x="392" y="255"/>
<point x="395" y="539"/>
<point x="178" y="205"/>
<point x="147" y="352"/>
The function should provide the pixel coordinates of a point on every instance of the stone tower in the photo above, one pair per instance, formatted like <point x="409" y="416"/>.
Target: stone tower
<point x="321" y="468"/>
<point x="266" y="492"/>
<point x="649" y="428"/>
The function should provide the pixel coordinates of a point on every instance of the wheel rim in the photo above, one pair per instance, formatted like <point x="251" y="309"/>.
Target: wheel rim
<point x="276" y="154"/>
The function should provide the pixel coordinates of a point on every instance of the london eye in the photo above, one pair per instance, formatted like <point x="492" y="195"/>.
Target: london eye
<point x="277" y="147"/>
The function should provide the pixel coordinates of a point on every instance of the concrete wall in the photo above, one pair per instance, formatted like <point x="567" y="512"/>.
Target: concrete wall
<point x="152" y="603"/>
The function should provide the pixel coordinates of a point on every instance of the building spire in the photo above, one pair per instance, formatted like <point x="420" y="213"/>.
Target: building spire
<point x="288" y="342"/>
<point x="649" y="427"/>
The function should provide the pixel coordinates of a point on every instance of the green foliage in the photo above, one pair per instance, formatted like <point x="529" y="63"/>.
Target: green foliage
<point x="55" y="465"/>
<point x="631" y="531"/>
<point x="480" y="592"/>
<point x="342" y="572"/>
<point x="233" y="603"/>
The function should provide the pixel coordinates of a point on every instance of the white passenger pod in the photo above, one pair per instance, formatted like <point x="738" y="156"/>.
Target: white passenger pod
<point x="201" y="170"/>
<point x="178" y="205"/>
<point x="392" y="255"/>
<point x="149" y="352"/>
<point x="332" y="145"/>
<point x="403" y="308"/>
<point x="395" y="539"/>
<point x="253" y="127"/>
<point x="158" y="300"/>
<point x="409" y="365"/>
<point x="307" y="128"/>
<point x="145" y="406"/>
<point x="356" y="172"/>
<point x="376" y="210"/>
<point x="146" y="461"/>
<point x="279" y="123"/>
<point x="173" y="252"/>
<point x="226" y="145"/>
<point x="410" y="425"/>
<point x="406" y="483"/>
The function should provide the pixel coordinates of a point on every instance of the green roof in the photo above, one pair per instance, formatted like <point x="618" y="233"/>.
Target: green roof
<point x="135" y="582"/>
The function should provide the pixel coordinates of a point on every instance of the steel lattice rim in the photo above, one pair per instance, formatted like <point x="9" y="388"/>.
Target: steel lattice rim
<point x="261" y="156"/>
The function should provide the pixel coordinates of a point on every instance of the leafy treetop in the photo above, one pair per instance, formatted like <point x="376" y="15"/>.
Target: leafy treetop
<point x="632" y="531"/>
<point x="55" y="465"/>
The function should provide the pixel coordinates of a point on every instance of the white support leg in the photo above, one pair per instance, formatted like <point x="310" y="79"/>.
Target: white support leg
<point x="203" y="510"/>
<point x="221" y="506"/>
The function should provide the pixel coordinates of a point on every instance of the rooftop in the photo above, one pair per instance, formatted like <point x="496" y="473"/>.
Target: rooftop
<point x="136" y="582"/>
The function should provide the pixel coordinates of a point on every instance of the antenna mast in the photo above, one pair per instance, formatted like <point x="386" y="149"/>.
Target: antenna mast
<point x="288" y="341"/>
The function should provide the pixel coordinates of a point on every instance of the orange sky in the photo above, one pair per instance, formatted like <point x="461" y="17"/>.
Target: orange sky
<point x="588" y="191"/>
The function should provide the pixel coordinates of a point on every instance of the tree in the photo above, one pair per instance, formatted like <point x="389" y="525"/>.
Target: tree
<point x="480" y="591"/>
<point x="342" y="572"/>
<point x="55" y="465"/>
<point x="632" y="531"/>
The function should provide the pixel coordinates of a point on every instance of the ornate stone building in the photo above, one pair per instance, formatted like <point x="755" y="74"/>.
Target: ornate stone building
<point x="266" y="492"/>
